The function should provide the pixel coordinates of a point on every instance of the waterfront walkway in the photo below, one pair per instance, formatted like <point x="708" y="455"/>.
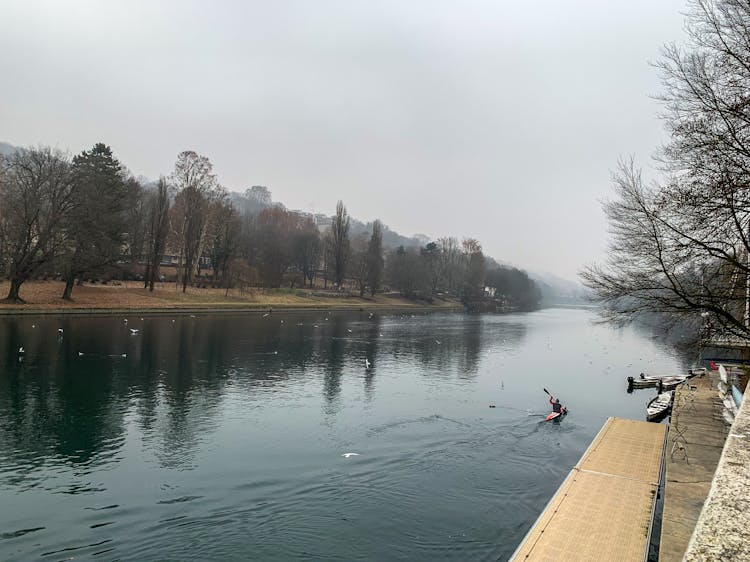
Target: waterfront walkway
<point x="722" y="532"/>
<point x="696" y="437"/>
<point x="604" y="508"/>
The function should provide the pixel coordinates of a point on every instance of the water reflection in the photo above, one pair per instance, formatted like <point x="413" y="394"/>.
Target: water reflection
<point x="224" y="435"/>
<point x="68" y="395"/>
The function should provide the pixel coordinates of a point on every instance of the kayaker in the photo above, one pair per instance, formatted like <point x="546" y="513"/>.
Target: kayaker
<point x="556" y="406"/>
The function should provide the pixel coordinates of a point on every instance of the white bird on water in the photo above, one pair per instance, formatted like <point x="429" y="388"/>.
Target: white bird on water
<point x="134" y="332"/>
<point x="266" y="314"/>
<point x="367" y="363"/>
<point x="347" y="455"/>
<point x="21" y="350"/>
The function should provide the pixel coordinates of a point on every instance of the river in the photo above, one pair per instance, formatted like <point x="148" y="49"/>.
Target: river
<point x="220" y="437"/>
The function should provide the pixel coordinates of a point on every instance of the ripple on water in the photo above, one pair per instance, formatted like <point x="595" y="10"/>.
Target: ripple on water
<point x="181" y="499"/>
<point x="20" y="533"/>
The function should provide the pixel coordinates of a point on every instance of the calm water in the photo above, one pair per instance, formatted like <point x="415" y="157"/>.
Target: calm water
<point x="221" y="437"/>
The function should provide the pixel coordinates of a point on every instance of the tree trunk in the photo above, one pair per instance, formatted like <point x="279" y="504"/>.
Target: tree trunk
<point x="68" y="291"/>
<point x="147" y="278"/>
<point x="15" y="287"/>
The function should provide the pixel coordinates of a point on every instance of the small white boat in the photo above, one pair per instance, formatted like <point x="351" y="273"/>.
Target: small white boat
<point x="662" y="382"/>
<point x="660" y="405"/>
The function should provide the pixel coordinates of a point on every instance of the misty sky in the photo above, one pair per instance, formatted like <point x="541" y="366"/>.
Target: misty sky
<point x="496" y="120"/>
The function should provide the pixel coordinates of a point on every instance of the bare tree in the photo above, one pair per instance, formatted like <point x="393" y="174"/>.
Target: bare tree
<point x="157" y="230"/>
<point x="450" y="265"/>
<point x="654" y="267"/>
<point x="475" y="267"/>
<point x="375" y="261"/>
<point x="197" y="185"/>
<point x="358" y="262"/>
<point x="307" y="249"/>
<point x="681" y="246"/>
<point x="327" y="252"/>
<point x="136" y="222"/>
<point x="36" y="197"/>
<point x="274" y="235"/>
<point x="224" y="236"/>
<point x="340" y="242"/>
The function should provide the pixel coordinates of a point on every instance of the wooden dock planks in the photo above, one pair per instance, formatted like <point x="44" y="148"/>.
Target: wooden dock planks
<point x="603" y="509"/>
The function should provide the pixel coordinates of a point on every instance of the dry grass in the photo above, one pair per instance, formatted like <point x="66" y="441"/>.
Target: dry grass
<point x="45" y="295"/>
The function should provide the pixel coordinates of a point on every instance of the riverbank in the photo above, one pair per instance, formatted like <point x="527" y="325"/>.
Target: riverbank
<point x="43" y="297"/>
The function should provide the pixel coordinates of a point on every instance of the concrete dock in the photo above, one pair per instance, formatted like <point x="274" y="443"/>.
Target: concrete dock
<point x="695" y="441"/>
<point x="605" y="507"/>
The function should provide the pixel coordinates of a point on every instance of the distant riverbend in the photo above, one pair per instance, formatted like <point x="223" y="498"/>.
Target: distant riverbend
<point x="326" y="435"/>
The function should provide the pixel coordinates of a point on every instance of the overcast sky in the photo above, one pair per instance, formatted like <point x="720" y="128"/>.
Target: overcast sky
<point x="495" y="120"/>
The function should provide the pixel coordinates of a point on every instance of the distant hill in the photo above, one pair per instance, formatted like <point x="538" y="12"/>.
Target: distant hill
<point x="557" y="290"/>
<point x="7" y="149"/>
<point x="254" y="200"/>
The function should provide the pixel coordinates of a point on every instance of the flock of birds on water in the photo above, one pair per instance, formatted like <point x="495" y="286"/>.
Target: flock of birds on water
<point x="136" y="331"/>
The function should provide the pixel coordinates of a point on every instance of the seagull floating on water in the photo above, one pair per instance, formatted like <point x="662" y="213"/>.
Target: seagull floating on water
<point x="348" y="330"/>
<point x="21" y="351"/>
<point x="134" y="332"/>
<point x="266" y="314"/>
<point x="125" y="320"/>
<point x="347" y="455"/>
<point x="367" y="363"/>
<point x="80" y="354"/>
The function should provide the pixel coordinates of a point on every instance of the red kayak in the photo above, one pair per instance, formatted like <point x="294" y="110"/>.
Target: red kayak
<point x="556" y="415"/>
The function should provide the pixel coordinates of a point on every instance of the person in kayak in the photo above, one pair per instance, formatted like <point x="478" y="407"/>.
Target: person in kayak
<point x="556" y="406"/>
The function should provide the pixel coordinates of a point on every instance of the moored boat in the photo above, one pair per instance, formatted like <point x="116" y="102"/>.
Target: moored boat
<point x="662" y="382"/>
<point x="660" y="405"/>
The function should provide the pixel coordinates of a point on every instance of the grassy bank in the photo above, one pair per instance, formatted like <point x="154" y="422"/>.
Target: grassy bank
<point x="44" y="297"/>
